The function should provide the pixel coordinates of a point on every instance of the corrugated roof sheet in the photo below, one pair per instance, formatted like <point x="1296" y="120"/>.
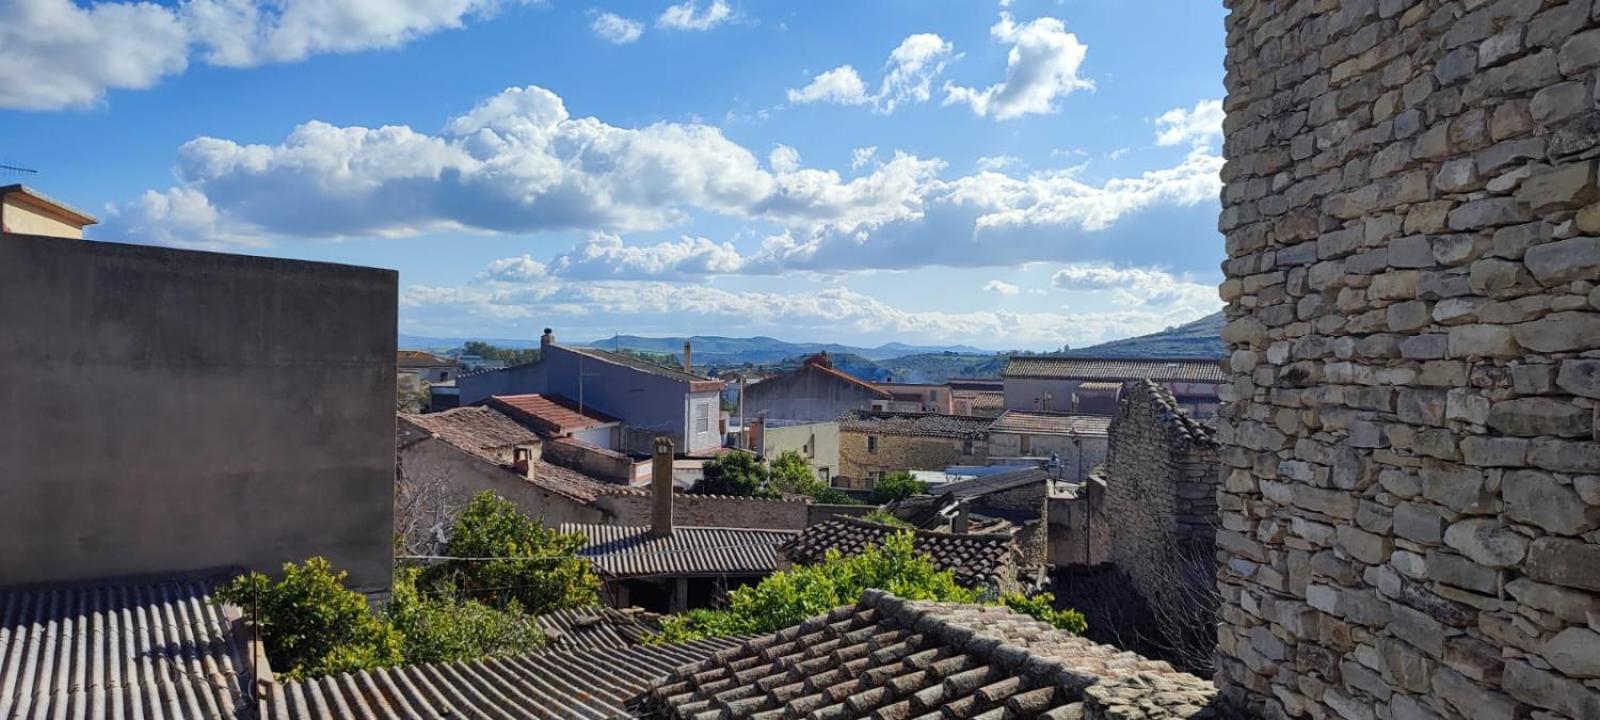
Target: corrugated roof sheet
<point x="478" y="430"/>
<point x="976" y="560"/>
<point x="891" y="658"/>
<point x="1048" y="423"/>
<point x="594" y="627"/>
<point x="621" y="551"/>
<point x="565" y="685"/>
<point x="919" y="424"/>
<point x="550" y="413"/>
<point x="157" y="649"/>
<point x="1070" y="368"/>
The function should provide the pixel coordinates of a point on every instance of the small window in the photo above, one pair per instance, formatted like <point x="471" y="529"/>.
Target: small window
<point x="966" y="446"/>
<point x="872" y="443"/>
<point x="702" y="417"/>
<point x="1026" y="443"/>
<point x="825" y="475"/>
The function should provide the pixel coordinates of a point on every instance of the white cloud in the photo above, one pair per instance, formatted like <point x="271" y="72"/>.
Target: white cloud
<point x="908" y="77"/>
<point x="58" y="54"/>
<point x="1001" y="287"/>
<point x="784" y="159"/>
<point x="604" y="256"/>
<point x="1043" y="65"/>
<point x="862" y="155"/>
<point x="687" y="15"/>
<point x="993" y="163"/>
<point x="1117" y="153"/>
<point x="616" y="29"/>
<point x="841" y="85"/>
<point x="1198" y="126"/>
<point x="1139" y="286"/>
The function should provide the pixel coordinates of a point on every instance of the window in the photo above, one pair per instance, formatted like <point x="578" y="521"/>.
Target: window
<point x="702" y="418"/>
<point x="966" y="446"/>
<point x="872" y="443"/>
<point x="1026" y="442"/>
<point x="825" y="475"/>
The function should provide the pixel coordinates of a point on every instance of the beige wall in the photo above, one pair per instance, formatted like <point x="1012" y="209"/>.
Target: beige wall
<point x="819" y="442"/>
<point x="17" y="216"/>
<point x="902" y="452"/>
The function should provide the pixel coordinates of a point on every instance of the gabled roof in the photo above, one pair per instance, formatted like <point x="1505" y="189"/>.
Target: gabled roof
<point x="916" y="424"/>
<point x="1118" y="369"/>
<point x="621" y="551"/>
<point x="155" y="648"/>
<point x="844" y="377"/>
<point x="1050" y="423"/>
<point x="550" y="413"/>
<point x="698" y="382"/>
<point x="976" y="560"/>
<point x="563" y="685"/>
<point x="988" y="484"/>
<point x="418" y="358"/>
<point x="477" y="430"/>
<point x="593" y="627"/>
<point x="886" y="657"/>
<point x="44" y="203"/>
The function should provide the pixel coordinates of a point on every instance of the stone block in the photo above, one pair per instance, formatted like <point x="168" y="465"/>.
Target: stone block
<point x="1565" y="260"/>
<point x="1532" y="416"/>
<point x="1458" y="571"/>
<point x="1580" y="377"/>
<point x="1548" y="690"/>
<point x="1492" y="341"/>
<point x="1559" y="332"/>
<point x="1567" y="187"/>
<point x="1487" y="541"/>
<point x="1561" y="561"/>
<point x="1538" y="499"/>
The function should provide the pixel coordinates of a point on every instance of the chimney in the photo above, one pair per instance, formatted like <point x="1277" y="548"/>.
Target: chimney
<point x="962" y="523"/>
<point x="547" y="339"/>
<point x="688" y="357"/>
<point x="661" y="488"/>
<point x="522" y="462"/>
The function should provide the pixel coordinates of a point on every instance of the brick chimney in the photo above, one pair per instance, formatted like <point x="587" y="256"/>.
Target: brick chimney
<point x="522" y="462"/>
<point x="547" y="339"/>
<point x="661" y="488"/>
<point x="688" y="357"/>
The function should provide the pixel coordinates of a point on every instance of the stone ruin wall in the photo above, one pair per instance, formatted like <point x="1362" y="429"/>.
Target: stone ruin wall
<point x="1160" y="506"/>
<point x="1410" y="502"/>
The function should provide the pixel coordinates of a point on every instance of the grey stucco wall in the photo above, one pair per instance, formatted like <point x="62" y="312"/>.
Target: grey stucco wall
<point x="167" y="410"/>
<point x="806" y="394"/>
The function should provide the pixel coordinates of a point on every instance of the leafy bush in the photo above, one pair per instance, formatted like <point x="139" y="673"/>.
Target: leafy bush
<point x="311" y="623"/>
<point x="444" y="628"/>
<point x="790" y="472"/>
<point x="1041" y="606"/>
<point x="880" y="515"/>
<point x="786" y="598"/>
<point x="833" y="496"/>
<point x="541" y="572"/>
<point x="734" y="473"/>
<point x="897" y="485"/>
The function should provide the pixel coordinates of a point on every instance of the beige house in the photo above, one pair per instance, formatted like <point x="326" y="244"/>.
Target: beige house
<point x="874" y="444"/>
<point x="25" y="211"/>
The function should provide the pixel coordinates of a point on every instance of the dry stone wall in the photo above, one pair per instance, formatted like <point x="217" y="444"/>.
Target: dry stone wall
<point x="1412" y="492"/>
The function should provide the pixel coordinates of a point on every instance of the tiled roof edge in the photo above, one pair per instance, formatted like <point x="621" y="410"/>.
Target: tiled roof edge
<point x="987" y="537"/>
<point x="646" y="492"/>
<point x="1175" y="416"/>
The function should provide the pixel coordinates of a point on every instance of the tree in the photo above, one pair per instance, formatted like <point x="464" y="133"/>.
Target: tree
<point x="540" y="572"/>
<point x="897" y="485"/>
<point x="444" y="628"/>
<point x="734" y="473"/>
<point x="312" y="624"/>
<point x="509" y="356"/>
<point x="792" y="473"/>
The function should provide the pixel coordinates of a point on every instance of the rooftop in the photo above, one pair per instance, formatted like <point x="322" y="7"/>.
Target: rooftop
<point x="886" y="657"/>
<point x="550" y="413"/>
<point x="916" y="424"/>
<point x="1049" y="423"/>
<point x="418" y="358"/>
<point x="976" y="560"/>
<point x="998" y="482"/>
<point x="622" y="551"/>
<point x="481" y="431"/>
<point x="1118" y="369"/>
<point x="41" y="201"/>
<point x="594" y="627"/>
<point x="977" y="384"/>
<point x="842" y="376"/>
<point x="642" y="365"/>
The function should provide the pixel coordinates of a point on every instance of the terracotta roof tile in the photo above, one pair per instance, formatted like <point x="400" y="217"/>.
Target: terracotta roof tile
<point x="550" y="413"/>
<point x="478" y="430"/>
<point x="1072" y="368"/>
<point x="1048" y="423"/>
<point x="976" y="560"/>
<point x="891" y="658"/>
<point x="921" y="424"/>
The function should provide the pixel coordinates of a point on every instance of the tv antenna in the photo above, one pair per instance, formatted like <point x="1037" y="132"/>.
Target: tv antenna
<point x="9" y="169"/>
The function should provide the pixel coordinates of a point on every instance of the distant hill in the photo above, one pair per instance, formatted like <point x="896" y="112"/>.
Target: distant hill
<point x="1199" y="339"/>
<point x="717" y="350"/>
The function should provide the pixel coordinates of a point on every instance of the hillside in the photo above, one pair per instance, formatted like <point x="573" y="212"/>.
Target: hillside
<point x="718" y="350"/>
<point x="1199" y="339"/>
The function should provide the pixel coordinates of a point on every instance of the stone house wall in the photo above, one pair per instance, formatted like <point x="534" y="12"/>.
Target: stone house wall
<point x="1410" y="502"/>
<point x="902" y="452"/>
<point x="1079" y="453"/>
<point x="1078" y="530"/>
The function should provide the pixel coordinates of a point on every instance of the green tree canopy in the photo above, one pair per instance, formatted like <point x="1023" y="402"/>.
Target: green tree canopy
<point x="540" y="572"/>
<point x="510" y="356"/>
<point x="897" y="485"/>
<point x="734" y="473"/>
<point x="312" y="624"/>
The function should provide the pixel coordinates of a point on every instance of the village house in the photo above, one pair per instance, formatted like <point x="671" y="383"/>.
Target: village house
<point x="813" y="392"/>
<point x="1076" y="442"/>
<point x="817" y="442"/>
<point x="1054" y="383"/>
<point x="976" y="396"/>
<point x="649" y="399"/>
<point x="417" y="368"/>
<point x="915" y="397"/>
<point x="25" y="211"/>
<point x="873" y="444"/>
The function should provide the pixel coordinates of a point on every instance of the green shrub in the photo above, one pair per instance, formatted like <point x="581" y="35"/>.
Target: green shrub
<point x="1041" y="606"/>
<point x="443" y="628"/>
<point x="735" y="473"/>
<point x="880" y="515"/>
<point x="311" y="623"/>
<point x="541" y="572"/>
<point x="790" y="472"/>
<point x="897" y="485"/>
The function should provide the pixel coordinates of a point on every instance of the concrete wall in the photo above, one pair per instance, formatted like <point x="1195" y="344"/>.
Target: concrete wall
<point x="805" y="394"/>
<point x="1079" y="454"/>
<point x="19" y="217"/>
<point x="902" y="452"/>
<point x="819" y="442"/>
<point x="436" y="480"/>
<point x="633" y="508"/>
<point x="1411" y="221"/>
<point x="167" y="410"/>
<point x="597" y="462"/>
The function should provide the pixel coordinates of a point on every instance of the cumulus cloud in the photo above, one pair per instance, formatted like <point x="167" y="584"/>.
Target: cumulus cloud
<point x="1139" y="286"/>
<point x="688" y="15"/>
<point x="604" y="256"/>
<point x="58" y="54"/>
<point x="908" y="77"/>
<point x="1197" y="126"/>
<point x="997" y="162"/>
<point x="615" y="29"/>
<point x="862" y="155"/>
<point x="784" y="159"/>
<point x="1001" y="287"/>
<point x="1043" y="65"/>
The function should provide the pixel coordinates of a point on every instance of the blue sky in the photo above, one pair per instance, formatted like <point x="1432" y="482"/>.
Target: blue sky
<point x="1013" y="175"/>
